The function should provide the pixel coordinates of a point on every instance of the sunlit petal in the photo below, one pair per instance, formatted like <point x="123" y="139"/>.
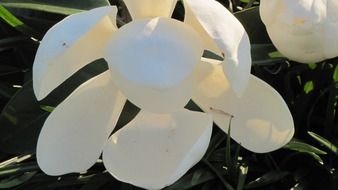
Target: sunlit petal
<point x="304" y="30"/>
<point x="73" y="136"/>
<point x="150" y="8"/>
<point x="269" y="6"/>
<point x="262" y="121"/>
<point x="69" y="45"/>
<point x="152" y="61"/>
<point x="155" y="150"/>
<point x="191" y="20"/>
<point x="229" y="36"/>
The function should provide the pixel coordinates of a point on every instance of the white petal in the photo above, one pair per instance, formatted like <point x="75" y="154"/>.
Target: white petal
<point x="152" y="61"/>
<point x="262" y="121"/>
<point x="295" y="29"/>
<point x="268" y="6"/>
<point x="229" y="36"/>
<point x="150" y="8"/>
<point x="209" y="43"/>
<point x="303" y="30"/>
<point x="73" y="136"/>
<point x="70" y="45"/>
<point x="331" y="39"/>
<point x="155" y="150"/>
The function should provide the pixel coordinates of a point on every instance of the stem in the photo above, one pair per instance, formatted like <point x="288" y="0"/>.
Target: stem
<point x="218" y="174"/>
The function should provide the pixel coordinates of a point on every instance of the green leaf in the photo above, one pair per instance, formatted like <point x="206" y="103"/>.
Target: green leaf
<point x="309" y="87"/>
<point x="14" y="41"/>
<point x="22" y="118"/>
<point x="14" y="160"/>
<point x="21" y="121"/>
<point x="236" y="155"/>
<point x="335" y="74"/>
<point x="298" y="186"/>
<point x="65" y="7"/>
<point x="6" y="90"/>
<point x="10" y="19"/>
<point x="211" y="55"/>
<point x="307" y="149"/>
<point x="18" y="169"/>
<point x="324" y="142"/>
<point x="218" y="173"/>
<point x="228" y="162"/>
<point x="316" y="157"/>
<point x="47" y="108"/>
<point x="96" y="182"/>
<point x="267" y="179"/>
<point x="312" y="66"/>
<point x="188" y="181"/>
<point x="243" y="171"/>
<point x="265" y="55"/>
<point x="16" y="180"/>
<point x="253" y="25"/>
<point x="303" y="147"/>
<point x="276" y="54"/>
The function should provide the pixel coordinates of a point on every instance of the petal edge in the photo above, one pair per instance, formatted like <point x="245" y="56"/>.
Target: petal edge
<point x="165" y="145"/>
<point x="262" y="121"/>
<point x="230" y="37"/>
<point x="73" y="135"/>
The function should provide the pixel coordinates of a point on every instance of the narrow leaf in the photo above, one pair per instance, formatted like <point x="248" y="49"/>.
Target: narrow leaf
<point x="324" y="142"/>
<point x="303" y="147"/>
<point x="309" y="87"/>
<point x="64" y="7"/>
<point x="266" y="179"/>
<point x="15" y="181"/>
<point x="243" y="171"/>
<point x="193" y="179"/>
<point x="10" y="19"/>
<point x="335" y="74"/>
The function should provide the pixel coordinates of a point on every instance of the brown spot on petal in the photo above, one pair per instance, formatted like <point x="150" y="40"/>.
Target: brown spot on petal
<point x="298" y="21"/>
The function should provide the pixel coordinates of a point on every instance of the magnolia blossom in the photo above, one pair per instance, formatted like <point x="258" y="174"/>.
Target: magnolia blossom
<point x="302" y="30"/>
<point x="156" y="63"/>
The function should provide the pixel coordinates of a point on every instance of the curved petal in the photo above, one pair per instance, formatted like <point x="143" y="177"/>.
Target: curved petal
<point x="155" y="150"/>
<point x="70" y="45"/>
<point x="229" y="36"/>
<point x="139" y="9"/>
<point x="73" y="136"/>
<point x="191" y="20"/>
<point x="304" y="30"/>
<point x="155" y="68"/>
<point x="262" y="121"/>
<point x="266" y="7"/>
<point x="296" y="30"/>
<point x="331" y="39"/>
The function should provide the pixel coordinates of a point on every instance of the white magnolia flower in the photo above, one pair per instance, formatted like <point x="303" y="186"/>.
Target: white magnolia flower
<point x="302" y="30"/>
<point x="155" y="62"/>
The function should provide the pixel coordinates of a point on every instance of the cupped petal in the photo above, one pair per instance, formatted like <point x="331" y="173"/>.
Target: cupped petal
<point x="262" y="121"/>
<point x="73" y="136"/>
<point x="229" y="36"/>
<point x="304" y="30"/>
<point x="266" y="7"/>
<point x="139" y="9"/>
<point x="331" y="39"/>
<point x="153" y="61"/>
<point x="70" y="45"/>
<point x="155" y="150"/>
<point x="295" y="28"/>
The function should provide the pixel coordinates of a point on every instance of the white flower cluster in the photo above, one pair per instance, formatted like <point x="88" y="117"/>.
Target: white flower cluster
<point x="156" y="63"/>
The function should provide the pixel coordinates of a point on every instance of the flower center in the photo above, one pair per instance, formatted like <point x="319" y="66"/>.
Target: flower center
<point x="157" y="53"/>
